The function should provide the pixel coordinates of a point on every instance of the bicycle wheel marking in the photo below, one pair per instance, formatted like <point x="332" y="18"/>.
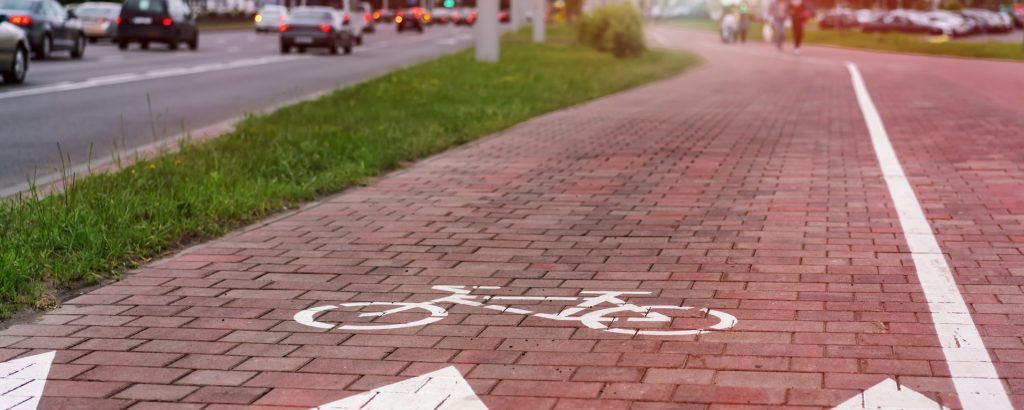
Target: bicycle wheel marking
<point x="600" y="319"/>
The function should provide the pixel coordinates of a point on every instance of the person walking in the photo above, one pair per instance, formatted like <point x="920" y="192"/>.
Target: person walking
<point x="744" y="25"/>
<point x="798" y="14"/>
<point x="778" y="13"/>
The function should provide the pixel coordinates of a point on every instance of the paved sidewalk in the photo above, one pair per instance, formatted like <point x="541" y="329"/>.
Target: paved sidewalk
<point x="748" y="186"/>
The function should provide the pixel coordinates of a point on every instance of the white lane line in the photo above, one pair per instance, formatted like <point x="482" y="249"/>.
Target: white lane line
<point x="149" y="75"/>
<point x="974" y="376"/>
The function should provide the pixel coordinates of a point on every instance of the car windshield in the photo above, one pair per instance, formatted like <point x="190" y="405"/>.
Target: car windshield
<point x="23" y="5"/>
<point x="148" y="6"/>
<point x="311" y="15"/>
<point x="96" y="11"/>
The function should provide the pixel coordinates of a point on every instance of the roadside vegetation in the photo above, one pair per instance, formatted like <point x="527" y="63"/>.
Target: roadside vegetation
<point x="897" y="42"/>
<point x="101" y="225"/>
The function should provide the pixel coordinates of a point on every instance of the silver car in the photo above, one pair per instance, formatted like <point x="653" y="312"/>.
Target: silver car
<point x="99" y="19"/>
<point x="13" y="52"/>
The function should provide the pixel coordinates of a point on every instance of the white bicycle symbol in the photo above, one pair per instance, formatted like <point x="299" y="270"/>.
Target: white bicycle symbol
<point x="599" y="319"/>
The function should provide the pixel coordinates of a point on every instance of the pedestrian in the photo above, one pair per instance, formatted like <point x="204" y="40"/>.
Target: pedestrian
<point x="798" y="14"/>
<point x="728" y="27"/>
<point x="778" y="14"/>
<point x="744" y="24"/>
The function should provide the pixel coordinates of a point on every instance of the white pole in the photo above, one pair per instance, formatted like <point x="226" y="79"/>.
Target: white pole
<point x="540" y="11"/>
<point x="516" y="12"/>
<point x="487" y="47"/>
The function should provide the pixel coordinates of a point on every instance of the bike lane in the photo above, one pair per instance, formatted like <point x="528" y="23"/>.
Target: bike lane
<point x="733" y="188"/>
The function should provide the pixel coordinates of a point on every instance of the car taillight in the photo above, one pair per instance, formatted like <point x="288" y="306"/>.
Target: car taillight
<point x="20" y="20"/>
<point x="345" y="19"/>
<point x="325" y="28"/>
<point x="282" y="28"/>
<point x="166" y="22"/>
<point x="118" y="21"/>
<point x="367" y="17"/>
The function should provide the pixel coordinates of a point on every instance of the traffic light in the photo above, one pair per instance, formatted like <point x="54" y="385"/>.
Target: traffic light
<point x="449" y="3"/>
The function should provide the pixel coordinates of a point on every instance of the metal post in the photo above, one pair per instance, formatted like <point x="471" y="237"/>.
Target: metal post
<point x="487" y="47"/>
<point x="540" y="14"/>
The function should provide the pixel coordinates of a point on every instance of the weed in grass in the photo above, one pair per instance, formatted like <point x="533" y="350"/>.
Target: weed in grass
<point x="103" y="224"/>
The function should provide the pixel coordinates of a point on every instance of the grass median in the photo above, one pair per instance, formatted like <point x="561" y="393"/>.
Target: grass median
<point x="896" y="42"/>
<point x="107" y="223"/>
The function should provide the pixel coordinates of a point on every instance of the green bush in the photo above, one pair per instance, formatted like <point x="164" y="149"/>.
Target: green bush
<point x="616" y="28"/>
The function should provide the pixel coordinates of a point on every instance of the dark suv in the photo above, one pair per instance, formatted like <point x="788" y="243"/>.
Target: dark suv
<point x="47" y="25"/>
<point x="163" y="21"/>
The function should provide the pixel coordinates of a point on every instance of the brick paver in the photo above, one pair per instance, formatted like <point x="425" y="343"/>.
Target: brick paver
<point x="747" y="186"/>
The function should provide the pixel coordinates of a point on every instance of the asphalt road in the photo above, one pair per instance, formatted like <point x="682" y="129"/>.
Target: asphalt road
<point x="135" y="97"/>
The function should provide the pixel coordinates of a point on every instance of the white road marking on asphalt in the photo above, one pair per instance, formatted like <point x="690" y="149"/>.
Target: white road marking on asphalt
<point x="22" y="381"/>
<point x="890" y="395"/>
<point x="974" y="376"/>
<point x="149" y="75"/>
<point x="444" y="389"/>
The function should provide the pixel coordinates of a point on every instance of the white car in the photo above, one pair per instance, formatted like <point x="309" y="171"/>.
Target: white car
<point x="270" y="17"/>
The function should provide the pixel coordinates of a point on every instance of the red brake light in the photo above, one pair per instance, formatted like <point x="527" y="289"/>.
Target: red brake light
<point x="367" y="17"/>
<point x="282" y="28"/>
<point x="21" y="20"/>
<point x="118" y="20"/>
<point x="167" y="22"/>
<point x="345" y="19"/>
<point x="325" y="28"/>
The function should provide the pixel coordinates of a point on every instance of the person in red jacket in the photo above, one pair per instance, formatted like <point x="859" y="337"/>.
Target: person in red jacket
<point x="798" y="14"/>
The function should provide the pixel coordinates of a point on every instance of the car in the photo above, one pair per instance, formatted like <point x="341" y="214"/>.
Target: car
<point x="366" y="12"/>
<point x="99" y="19"/>
<point x="14" y="49"/>
<point x="904" y="21"/>
<point x="316" y="26"/>
<point x="270" y="17"/>
<point x="384" y="15"/>
<point x="47" y="25"/>
<point x="838" y="18"/>
<point x="441" y="16"/>
<point x="410" y="19"/>
<point x="464" y="17"/>
<point x="170" y="22"/>
<point x="988" y="21"/>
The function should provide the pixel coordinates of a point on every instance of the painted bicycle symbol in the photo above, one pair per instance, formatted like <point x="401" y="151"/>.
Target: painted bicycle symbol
<point x="607" y="311"/>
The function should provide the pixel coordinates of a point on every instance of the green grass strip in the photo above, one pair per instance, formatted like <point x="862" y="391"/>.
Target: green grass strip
<point x="896" y="42"/>
<point x="111" y="222"/>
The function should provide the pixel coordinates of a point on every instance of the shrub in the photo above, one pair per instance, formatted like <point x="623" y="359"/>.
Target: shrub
<point x="616" y="28"/>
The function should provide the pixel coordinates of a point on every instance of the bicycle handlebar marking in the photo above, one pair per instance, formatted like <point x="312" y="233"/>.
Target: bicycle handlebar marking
<point x="461" y="295"/>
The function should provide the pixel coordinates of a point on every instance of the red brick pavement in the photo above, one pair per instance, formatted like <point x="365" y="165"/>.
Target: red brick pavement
<point x="747" y="186"/>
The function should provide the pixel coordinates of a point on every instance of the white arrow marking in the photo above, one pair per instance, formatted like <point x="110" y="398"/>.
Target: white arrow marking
<point x="22" y="381"/>
<point x="444" y="389"/>
<point x="889" y="395"/>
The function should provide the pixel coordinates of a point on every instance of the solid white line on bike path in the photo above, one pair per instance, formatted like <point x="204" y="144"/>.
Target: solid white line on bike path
<point x="974" y="376"/>
<point x="22" y="381"/>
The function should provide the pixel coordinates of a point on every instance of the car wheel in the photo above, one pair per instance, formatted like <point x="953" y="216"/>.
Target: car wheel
<point x="333" y="47"/>
<point x="285" y="49"/>
<point x="359" y="40"/>
<point x="122" y="44"/>
<point x="93" y="40"/>
<point x="144" y="45"/>
<point x="46" y="48"/>
<point x="348" y="47"/>
<point x="193" y="45"/>
<point x="19" y="66"/>
<point x="79" y="48"/>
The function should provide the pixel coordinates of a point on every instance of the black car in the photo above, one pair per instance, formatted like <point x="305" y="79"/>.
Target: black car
<point x="47" y="25"/>
<point x="409" y="19"/>
<point x="163" y="21"/>
<point x="316" y="27"/>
